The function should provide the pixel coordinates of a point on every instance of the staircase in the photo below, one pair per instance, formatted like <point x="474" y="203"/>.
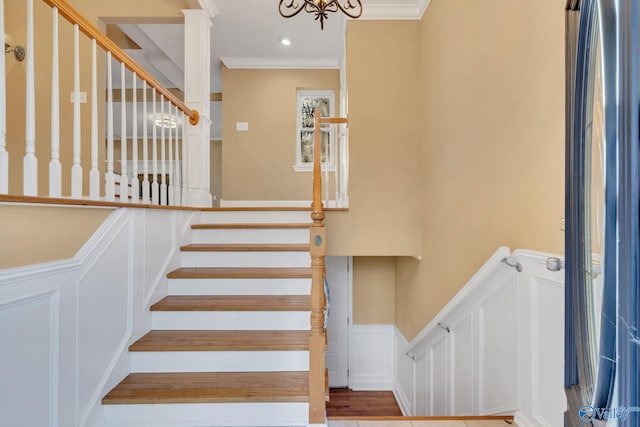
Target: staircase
<point x="229" y="345"/>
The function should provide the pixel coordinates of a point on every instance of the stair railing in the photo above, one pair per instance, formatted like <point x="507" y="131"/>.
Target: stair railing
<point x="123" y="185"/>
<point x="318" y="334"/>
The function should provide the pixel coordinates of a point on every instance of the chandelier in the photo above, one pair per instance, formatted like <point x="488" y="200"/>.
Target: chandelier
<point x="290" y="8"/>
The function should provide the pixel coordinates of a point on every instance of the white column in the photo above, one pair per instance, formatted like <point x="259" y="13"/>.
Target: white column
<point x="196" y="143"/>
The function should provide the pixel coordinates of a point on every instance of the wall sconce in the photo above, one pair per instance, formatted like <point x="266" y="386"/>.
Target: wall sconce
<point x="18" y="51"/>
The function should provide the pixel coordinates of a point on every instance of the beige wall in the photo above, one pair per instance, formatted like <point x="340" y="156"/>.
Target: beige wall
<point x="384" y="215"/>
<point x="35" y="234"/>
<point x="492" y="96"/>
<point x="257" y="165"/>
<point x="373" y="290"/>
<point x="15" y="28"/>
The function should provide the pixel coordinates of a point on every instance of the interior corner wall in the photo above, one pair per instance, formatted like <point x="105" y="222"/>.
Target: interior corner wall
<point x="33" y="234"/>
<point x="258" y="163"/>
<point x="384" y="217"/>
<point x="492" y="100"/>
<point x="373" y="290"/>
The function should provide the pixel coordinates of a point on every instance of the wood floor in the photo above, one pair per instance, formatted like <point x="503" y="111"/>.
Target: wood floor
<point x="348" y="403"/>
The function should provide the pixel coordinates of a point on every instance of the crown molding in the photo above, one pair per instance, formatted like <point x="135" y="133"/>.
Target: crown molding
<point x="208" y="6"/>
<point x="395" y="11"/>
<point x="280" y="63"/>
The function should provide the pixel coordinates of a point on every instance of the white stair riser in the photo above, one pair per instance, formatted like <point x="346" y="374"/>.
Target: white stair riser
<point x="239" y="286"/>
<point x="254" y="217"/>
<point x="219" y="361"/>
<point x="231" y="320"/>
<point x="296" y="235"/>
<point x="246" y="259"/>
<point x="208" y="414"/>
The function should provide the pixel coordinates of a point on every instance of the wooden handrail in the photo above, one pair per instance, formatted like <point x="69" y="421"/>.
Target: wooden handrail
<point x="74" y="17"/>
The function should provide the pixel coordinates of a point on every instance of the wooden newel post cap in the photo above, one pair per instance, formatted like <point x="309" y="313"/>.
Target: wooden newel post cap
<point x="194" y="117"/>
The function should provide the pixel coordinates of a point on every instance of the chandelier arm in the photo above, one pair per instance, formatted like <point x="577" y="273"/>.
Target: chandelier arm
<point x="348" y="5"/>
<point x="295" y="6"/>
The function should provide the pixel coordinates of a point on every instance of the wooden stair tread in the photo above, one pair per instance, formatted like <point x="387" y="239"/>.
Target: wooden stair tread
<point x="249" y="226"/>
<point x="211" y="387"/>
<point x="245" y="247"/>
<point x="240" y="273"/>
<point x="233" y="303"/>
<point x="184" y="340"/>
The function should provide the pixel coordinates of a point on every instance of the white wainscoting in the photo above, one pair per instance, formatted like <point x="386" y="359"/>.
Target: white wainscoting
<point x="66" y="325"/>
<point x="371" y="357"/>
<point x="498" y="348"/>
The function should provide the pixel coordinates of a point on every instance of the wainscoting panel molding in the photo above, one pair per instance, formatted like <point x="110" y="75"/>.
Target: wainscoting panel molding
<point x="495" y="349"/>
<point x="67" y="324"/>
<point x="371" y="354"/>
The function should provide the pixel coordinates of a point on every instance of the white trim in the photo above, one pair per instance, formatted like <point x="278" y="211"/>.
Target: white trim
<point x="273" y="204"/>
<point x="478" y="279"/>
<point x="280" y="63"/>
<point x="402" y="396"/>
<point x="393" y="11"/>
<point x="210" y="7"/>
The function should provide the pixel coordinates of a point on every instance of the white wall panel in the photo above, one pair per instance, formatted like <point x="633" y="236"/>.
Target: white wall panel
<point x="371" y="354"/>
<point x="462" y="372"/>
<point x="29" y="358"/>
<point x="503" y="352"/>
<point x="422" y="396"/>
<point x="71" y="321"/>
<point x="499" y="351"/>
<point x="439" y="385"/>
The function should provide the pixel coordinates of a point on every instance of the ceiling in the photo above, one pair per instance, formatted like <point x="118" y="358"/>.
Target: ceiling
<point x="249" y="32"/>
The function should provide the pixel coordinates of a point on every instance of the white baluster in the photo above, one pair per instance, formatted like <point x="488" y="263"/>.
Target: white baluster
<point x="110" y="185"/>
<point x="135" y="182"/>
<point x="170" y="188"/>
<point x="336" y="163"/>
<point x="146" y="190"/>
<point x="94" y="173"/>
<point x="76" y="169"/>
<point x="30" y="162"/>
<point x="344" y="168"/>
<point x="163" y="172"/>
<point x="326" y="169"/>
<point x="184" y="177"/>
<point x="124" y="179"/>
<point x="155" y="188"/>
<point x="4" y="155"/>
<point x="178" y="172"/>
<point x="55" y="167"/>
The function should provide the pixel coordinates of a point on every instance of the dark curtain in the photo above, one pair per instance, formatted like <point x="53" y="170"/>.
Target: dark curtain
<point x="613" y="382"/>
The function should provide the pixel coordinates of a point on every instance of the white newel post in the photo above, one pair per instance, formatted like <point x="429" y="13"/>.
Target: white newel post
<point x="196" y="144"/>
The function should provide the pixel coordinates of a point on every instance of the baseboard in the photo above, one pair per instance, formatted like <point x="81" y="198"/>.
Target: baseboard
<point x="521" y="420"/>
<point x="402" y="400"/>
<point x="403" y="374"/>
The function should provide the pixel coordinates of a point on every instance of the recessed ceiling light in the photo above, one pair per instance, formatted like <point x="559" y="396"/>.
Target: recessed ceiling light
<point x="285" y="41"/>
